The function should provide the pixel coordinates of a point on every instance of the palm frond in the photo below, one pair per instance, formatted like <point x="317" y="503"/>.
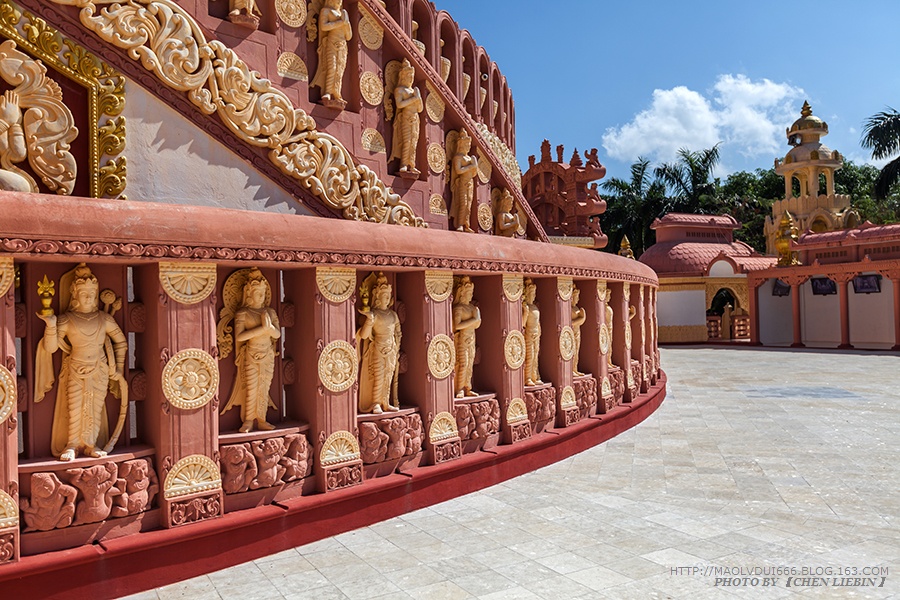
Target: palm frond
<point x="881" y="133"/>
<point x="889" y="176"/>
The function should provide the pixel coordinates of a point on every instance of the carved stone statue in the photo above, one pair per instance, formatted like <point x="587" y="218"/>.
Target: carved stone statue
<point x="52" y="503"/>
<point x="98" y="488"/>
<point x="399" y="91"/>
<point x="506" y="222"/>
<point x="463" y="170"/>
<point x="466" y="319"/>
<point x="609" y="325"/>
<point x="256" y="328"/>
<point x="531" y="323"/>
<point x="244" y="13"/>
<point x="268" y="455"/>
<point x="578" y="319"/>
<point x="379" y="342"/>
<point x="42" y="133"/>
<point x="238" y="467"/>
<point x="332" y="26"/>
<point x="139" y="486"/>
<point x="94" y="350"/>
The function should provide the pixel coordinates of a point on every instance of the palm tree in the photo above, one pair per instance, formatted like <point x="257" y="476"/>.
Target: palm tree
<point x="881" y="133"/>
<point x="636" y="203"/>
<point x="690" y="180"/>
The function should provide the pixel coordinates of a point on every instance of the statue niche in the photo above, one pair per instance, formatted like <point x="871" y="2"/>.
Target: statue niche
<point x="94" y="350"/>
<point x="247" y="297"/>
<point x="330" y="23"/>
<point x="531" y="324"/>
<point x="463" y="170"/>
<point x="579" y="316"/>
<point x="400" y="92"/>
<point x="378" y="340"/>
<point x="244" y="13"/>
<point x="466" y="319"/>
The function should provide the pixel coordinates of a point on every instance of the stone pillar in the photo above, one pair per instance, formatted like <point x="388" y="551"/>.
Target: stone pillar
<point x="325" y="391"/>
<point x="753" y="285"/>
<point x="503" y="346"/>
<point x="795" y="281"/>
<point x="428" y="343"/>
<point x="184" y="428"/>
<point x="621" y="342"/>
<point x="639" y="349"/>
<point x="594" y="344"/>
<point x="554" y="298"/>
<point x="841" y="280"/>
<point x="9" y="442"/>
<point x="647" y="336"/>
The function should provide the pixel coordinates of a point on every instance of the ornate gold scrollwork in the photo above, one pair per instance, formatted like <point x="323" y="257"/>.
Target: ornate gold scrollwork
<point x="192" y="475"/>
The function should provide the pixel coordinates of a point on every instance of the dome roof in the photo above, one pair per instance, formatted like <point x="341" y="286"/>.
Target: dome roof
<point x="807" y="123"/>
<point x="668" y="258"/>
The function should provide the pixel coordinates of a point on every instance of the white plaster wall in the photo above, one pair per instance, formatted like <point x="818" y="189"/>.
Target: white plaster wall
<point x="776" y="323"/>
<point x="872" y="317"/>
<point x="686" y="307"/>
<point x="171" y="160"/>
<point x="820" y="317"/>
<point x="722" y="268"/>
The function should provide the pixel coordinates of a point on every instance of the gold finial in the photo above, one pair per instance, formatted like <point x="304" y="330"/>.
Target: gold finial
<point x="625" y="248"/>
<point x="806" y="111"/>
<point x="46" y="289"/>
<point x="787" y="232"/>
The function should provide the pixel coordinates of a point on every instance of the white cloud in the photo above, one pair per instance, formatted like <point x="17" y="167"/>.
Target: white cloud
<point x="748" y="116"/>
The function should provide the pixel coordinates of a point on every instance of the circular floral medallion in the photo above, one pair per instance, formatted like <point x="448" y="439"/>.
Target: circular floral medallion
<point x="338" y="366"/>
<point x="437" y="158"/>
<point x="485" y="217"/>
<point x="371" y="88"/>
<point x="291" y="12"/>
<point x="604" y="339"/>
<point x="514" y="349"/>
<point x="190" y="379"/>
<point x="441" y="356"/>
<point x="434" y="106"/>
<point x="628" y="335"/>
<point x="8" y="394"/>
<point x="371" y="34"/>
<point x="567" y="343"/>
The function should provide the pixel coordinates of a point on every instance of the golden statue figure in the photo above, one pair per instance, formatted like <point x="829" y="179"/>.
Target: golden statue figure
<point x="399" y="90"/>
<point x="466" y="319"/>
<point x="506" y="222"/>
<point x="531" y="323"/>
<point x="378" y="340"/>
<point x="609" y="326"/>
<point x="463" y="170"/>
<point x="578" y="319"/>
<point x="331" y="23"/>
<point x="93" y="363"/>
<point x="247" y="298"/>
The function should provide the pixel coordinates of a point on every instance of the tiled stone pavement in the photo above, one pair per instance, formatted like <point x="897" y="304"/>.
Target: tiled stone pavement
<point x="757" y="458"/>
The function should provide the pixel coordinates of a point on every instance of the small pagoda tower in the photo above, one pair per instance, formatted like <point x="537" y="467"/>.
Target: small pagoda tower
<point x="809" y="162"/>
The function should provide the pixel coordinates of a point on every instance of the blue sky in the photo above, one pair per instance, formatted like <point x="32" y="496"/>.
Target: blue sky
<point x="646" y="78"/>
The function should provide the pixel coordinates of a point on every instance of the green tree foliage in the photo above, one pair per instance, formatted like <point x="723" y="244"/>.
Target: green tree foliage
<point x="690" y="181"/>
<point x="881" y="134"/>
<point x="860" y="182"/>
<point x="638" y="201"/>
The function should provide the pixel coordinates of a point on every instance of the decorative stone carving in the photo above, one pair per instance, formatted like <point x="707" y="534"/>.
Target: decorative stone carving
<point x="390" y="439"/>
<point x="247" y="297"/>
<point x="42" y="134"/>
<point x="97" y="487"/>
<point x="7" y="274"/>
<point x="608" y="324"/>
<point x="370" y="32"/>
<point x="579" y="316"/>
<point x="378" y="339"/>
<point x="506" y="222"/>
<point x="604" y="339"/>
<point x="585" y="395"/>
<point x="52" y="503"/>
<point x="513" y="286"/>
<point x="439" y="285"/>
<point x="190" y="379"/>
<point x="436" y="205"/>
<point x="442" y="428"/>
<point x="338" y="366"/>
<point x="244" y="13"/>
<point x="192" y="475"/>
<point x="434" y="105"/>
<point x="541" y="403"/>
<point x="257" y="113"/>
<point x="268" y="455"/>
<point x="567" y="343"/>
<point x="331" y="24"/>
<point x="514" y="349"/>
<point x="485" y="217"/>
<point x="441" y="356"/>
<point x="628" y="334"/>
<point x="484" y="167"/>
<point x="605" y="388"/>
<point x="296" y="457"/>
<point x="517" y="411"/>
<point x="477" y="420"/>
<point x="466" y="319"/>
<point x="291" y="12"/>
<point x="340" y="447"/>
<point x="601" y="288"/>
<point x="188" y="283"/>
<point x="564" y="287"/>
<point x="335" y="283"/>
<point x="506" y="156"/>
<point x="567" y="398"/>
<point x="138" y="487"/>
<point x="372" y="141"/>
<point x="264" y="463"/>
<point x="238" y="467"/>
<point x="90" y="339"/>
<point x="372" y="88"/>
<point x="9" y="512"/>
<point x="437" y="160"/>
<point x="531" y="325"/>
<point x="447" y="451"/>
<point x="343" y="477"/>
<point x="402" y="97"/>
<point x="291" y="66"/>
<point x="463" y="169"/>
<point x="8" y="394"/>
<point x="195" y="509"/>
